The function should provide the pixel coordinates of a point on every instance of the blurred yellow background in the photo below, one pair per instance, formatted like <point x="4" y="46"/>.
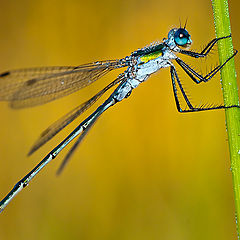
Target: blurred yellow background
<point x="144" y="171"/>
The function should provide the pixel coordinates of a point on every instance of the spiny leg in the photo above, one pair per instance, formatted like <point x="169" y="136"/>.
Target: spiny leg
<point x="195" y="76"/>
<point x="191" y="108"/>
<point x="173" y="77"/>
<point x="205" y="51"/>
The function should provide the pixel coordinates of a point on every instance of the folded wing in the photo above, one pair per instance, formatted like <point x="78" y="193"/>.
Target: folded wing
<point x="35" y="86"/>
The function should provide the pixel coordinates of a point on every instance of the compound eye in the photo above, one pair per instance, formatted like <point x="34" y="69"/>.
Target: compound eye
<point x="182" y="37"/>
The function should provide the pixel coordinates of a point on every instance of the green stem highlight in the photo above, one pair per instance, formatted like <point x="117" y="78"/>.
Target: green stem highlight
<point x="230" y="94"/>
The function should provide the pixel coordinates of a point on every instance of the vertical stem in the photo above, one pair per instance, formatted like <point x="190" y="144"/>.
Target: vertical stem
<point x="230" y="94"/>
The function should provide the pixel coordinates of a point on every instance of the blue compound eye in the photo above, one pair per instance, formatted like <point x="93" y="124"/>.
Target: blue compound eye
<point x="182" y="37"/>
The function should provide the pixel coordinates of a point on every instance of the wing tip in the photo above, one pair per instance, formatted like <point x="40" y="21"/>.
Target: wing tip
<point x="33" y="149"/>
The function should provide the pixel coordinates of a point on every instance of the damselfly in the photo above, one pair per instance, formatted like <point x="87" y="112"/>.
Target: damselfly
<point x="34" y="86"/>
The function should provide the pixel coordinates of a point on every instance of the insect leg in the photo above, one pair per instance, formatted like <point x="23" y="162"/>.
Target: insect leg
<point x="195" y="76"/>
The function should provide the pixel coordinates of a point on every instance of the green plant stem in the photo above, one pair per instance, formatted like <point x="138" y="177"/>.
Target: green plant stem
<point x="230" y="94"/>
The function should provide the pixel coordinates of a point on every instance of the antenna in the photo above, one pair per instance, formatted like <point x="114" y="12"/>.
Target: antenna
<point x="185" y="23"/>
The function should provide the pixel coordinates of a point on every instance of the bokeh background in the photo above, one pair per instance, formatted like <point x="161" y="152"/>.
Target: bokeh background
<point x="144" y="171"/>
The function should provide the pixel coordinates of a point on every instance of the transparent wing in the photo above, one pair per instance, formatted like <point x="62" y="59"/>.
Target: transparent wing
<point x="57" y="126"/>
<point x="35" y="86"/>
